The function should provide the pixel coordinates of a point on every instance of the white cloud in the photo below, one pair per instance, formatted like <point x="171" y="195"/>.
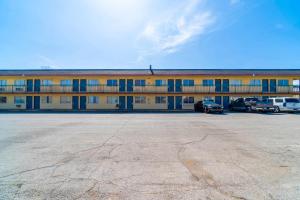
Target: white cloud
<point x="175" y="29"/>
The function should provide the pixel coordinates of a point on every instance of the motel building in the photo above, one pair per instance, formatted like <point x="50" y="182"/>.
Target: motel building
<point x="138" y="89"/>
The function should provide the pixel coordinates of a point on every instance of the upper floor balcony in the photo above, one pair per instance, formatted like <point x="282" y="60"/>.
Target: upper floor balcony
<point x="196" y="89"/>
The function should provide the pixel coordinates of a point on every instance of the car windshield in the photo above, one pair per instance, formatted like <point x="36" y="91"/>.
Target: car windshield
<point x="292" y="100"/>
<point x="209" y="101"/>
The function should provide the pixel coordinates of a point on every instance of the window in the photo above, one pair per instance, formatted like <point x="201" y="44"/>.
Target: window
<point x="292" y="100"/>
<point x="65" y="82"/>
<point x="208" y="82"/>
<point x="188" y="100"/>
<point x="160" y="82"/>
<point x="235" y="82"/>
<point x="279" y="100"/>
<point x="140" y="99"/>
<point x="46" y="99"/>
<point x="3" y="83"/>
<point x="188" y="83"/>
<point x="20" y="83"/>
<point x="3" y="99"/>
<point x="19" y="100"/>
<point x="93" y="82"/>
<point x="47" y="82"/>
<point x="160" y="100"/>
<point x="140" y="83"/>
<point x="112" y="82"/>
<point x="93" y="100"/>
<point x="112" y="100"/>
<point x="65" y="100"/>
<point x="255" y="82"/>
<point x="283" y="82"/>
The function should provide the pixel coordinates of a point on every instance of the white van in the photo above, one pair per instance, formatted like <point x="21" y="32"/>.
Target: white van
<point x="286" y="104"/>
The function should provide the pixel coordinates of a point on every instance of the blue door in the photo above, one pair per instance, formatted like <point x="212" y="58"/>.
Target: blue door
<point x="273" y="85"/>
<point x="83" y="85"/>
<point x="129" y="85"/>
<point x="28" y="102"/>
<point x="170" y="85"/>
<point x="122" y="102"/>
<point x="178" y="85"/>
<point x="82" y="102"/>
<point x="36" y="102"/>
<point x="75" y="85"/>
<point x="218" y="85"/>
<point x="29" y="85"/>
<point x="129" y="102"/>
<point x="75" y="102"/>
<point x="225" y="85"/>
<point x="218" y="100"/>
<point x="37" y="85"/>
<point x="178" y="100"/>
<point x="226" y="102"/>
<point x="122" y="85"/>
<point x="170" y="103"/>
<point x="265" y="85"/>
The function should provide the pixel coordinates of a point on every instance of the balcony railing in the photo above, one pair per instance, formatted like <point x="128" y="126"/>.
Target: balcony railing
<point x="240" y="89"/>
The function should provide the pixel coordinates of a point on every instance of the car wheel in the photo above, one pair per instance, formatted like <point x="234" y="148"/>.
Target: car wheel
<point x="277" y="109"/>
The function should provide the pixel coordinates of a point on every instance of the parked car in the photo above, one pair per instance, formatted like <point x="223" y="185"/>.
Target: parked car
<point x="239" y="105"/>
<point x="288" y="104"/>
<point x="264" y="105"/>
<point x="209" y="106"/>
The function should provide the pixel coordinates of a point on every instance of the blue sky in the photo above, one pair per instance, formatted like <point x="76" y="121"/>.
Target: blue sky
<point x="136" y="33"/>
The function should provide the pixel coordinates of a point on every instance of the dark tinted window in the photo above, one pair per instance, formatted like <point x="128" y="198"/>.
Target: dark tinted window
<point x="292" y="100"/>
<point x="278" y="100"/>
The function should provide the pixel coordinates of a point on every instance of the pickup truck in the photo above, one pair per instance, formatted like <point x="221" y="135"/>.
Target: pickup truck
<point x="264" y="105"/>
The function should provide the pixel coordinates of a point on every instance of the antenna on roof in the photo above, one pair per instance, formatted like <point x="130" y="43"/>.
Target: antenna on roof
<point x="150" y="68"/>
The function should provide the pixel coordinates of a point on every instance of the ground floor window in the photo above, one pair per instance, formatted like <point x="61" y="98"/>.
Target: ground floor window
<point x="19" y="100"/>
<point x="140" y="100"/>
<point x="3" y="99"/>
<point x="65" y="100"/>
<point x="46" y="99"/>
<point x="112" y="100"/>
<point x="93" y="100"/>
<point x="188" y="100"/>
<point x="160" y="100"/>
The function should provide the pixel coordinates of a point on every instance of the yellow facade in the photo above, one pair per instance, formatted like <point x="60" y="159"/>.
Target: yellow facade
<point x="143" y="97"/>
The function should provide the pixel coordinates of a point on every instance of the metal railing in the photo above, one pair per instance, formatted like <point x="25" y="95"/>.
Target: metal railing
<point x="239" y="89"/>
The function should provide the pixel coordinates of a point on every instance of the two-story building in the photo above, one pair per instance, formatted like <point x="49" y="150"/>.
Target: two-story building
<point x="138" y="89"/>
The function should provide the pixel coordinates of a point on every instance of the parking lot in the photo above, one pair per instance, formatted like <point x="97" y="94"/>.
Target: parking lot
<point x="150" y="156"/>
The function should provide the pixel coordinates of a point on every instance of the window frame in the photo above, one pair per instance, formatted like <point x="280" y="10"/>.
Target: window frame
<point x="110" y="101"/>
<point x="140" y="82"/>
<point x="190" y="100"/>
<point x="140" y="100"/>
<point x="65" y="100"/>
<point x="1" y="99"/>
<point x="188" y="82"/>
<point x="21" y="99"/>
<point x="206" y="82"/>
<point x="160" y="100"/>
<point x="93" y="99"/>
<point x="111" y="82"/>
